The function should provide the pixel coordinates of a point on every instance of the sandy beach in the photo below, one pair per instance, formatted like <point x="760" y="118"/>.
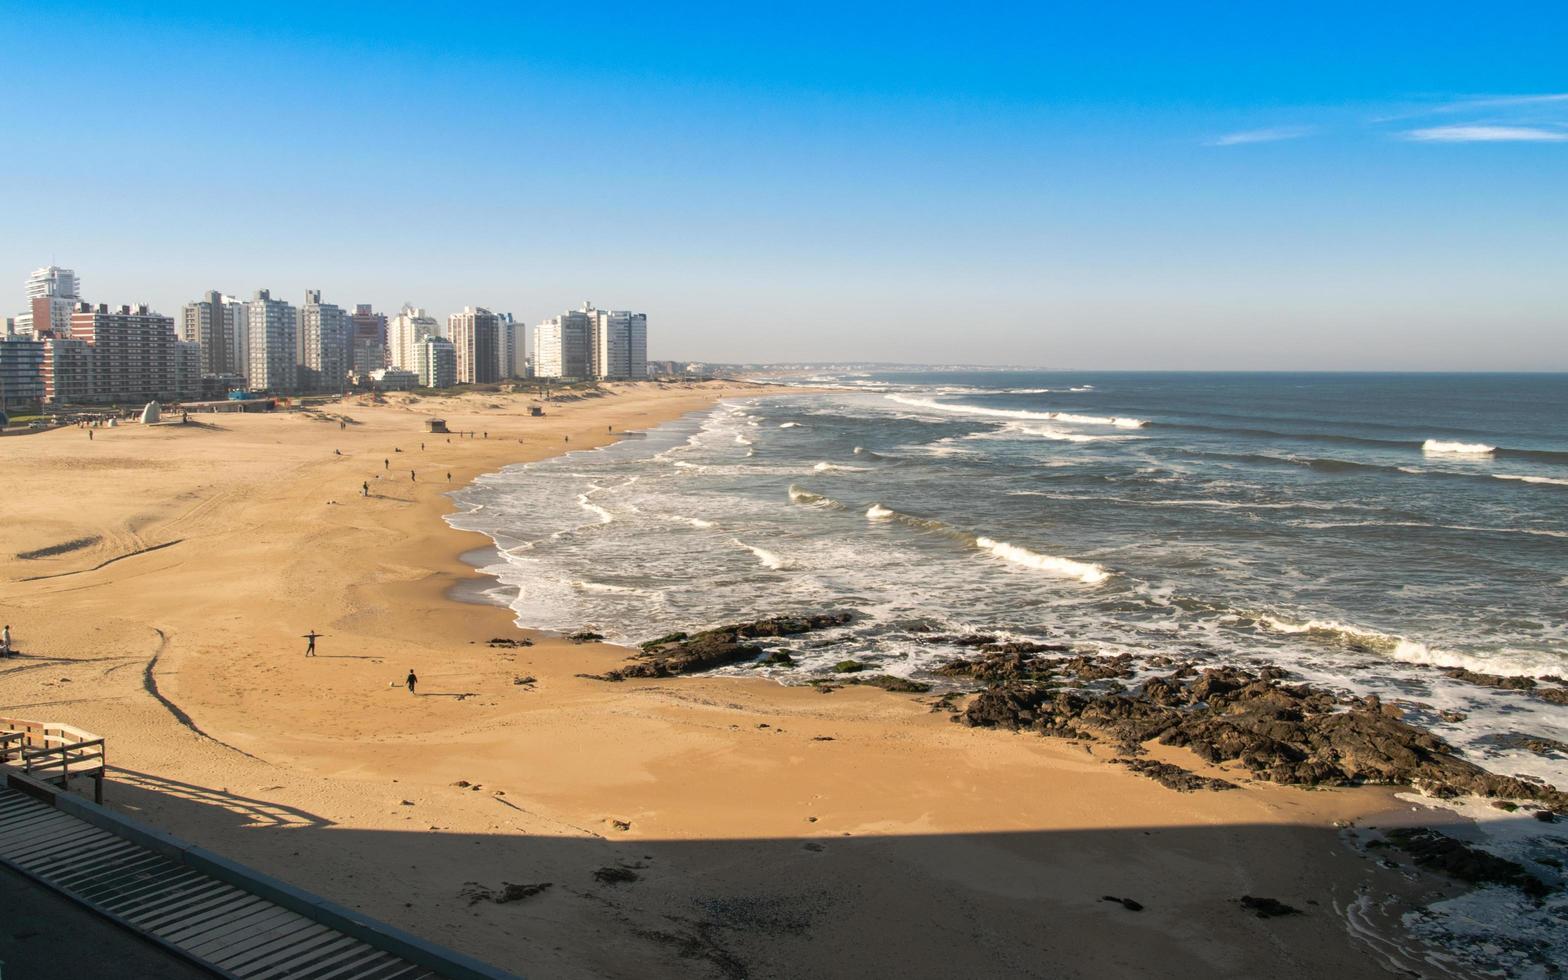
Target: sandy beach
<point x="158" y="581"/>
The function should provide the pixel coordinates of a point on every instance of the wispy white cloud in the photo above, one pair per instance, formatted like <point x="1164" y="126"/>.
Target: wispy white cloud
<point x="1486" y="134"/>
<point x="1270" y="135"/>
<point x="1505" y="101"/>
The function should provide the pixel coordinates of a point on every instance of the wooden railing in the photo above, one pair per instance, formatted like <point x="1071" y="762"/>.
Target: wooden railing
<point x="53" y="750"/>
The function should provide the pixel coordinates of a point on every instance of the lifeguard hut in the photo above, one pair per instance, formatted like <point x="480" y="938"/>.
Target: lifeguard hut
<point x="436" y="425"/>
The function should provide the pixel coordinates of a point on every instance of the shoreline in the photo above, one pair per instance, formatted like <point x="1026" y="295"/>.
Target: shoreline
<point x="723" y="817"/>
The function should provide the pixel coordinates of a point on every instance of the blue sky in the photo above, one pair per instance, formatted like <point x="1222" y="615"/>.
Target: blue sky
<point x="1113" y="185"/>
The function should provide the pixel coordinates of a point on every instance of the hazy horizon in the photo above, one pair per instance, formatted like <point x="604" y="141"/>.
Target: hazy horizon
<point x="1142" y="188"/>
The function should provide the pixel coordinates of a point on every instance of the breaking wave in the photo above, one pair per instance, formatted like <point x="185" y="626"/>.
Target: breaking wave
<point x="768" y="558"/>
<point x="837" y="468"/>
<point x="1010" y="413"/>
<point x="1437" y="447"/>
<point x="1414" y="652"/>
<point x="804" y="497"/>
<point x="1085" y="572"/>
<point x="1547" y="480"/>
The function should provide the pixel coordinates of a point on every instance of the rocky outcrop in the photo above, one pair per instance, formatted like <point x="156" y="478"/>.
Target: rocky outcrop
<point x="1174" y="777"/>
<point x="1439" y="852"/>
<point x="1291" y="734"/>
<point x="679" y="653"/>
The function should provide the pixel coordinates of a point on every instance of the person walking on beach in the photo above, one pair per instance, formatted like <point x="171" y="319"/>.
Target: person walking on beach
<point x="449" y="477"/>
<point x="412" y="680"/>
<point x="364" y="489"/>
<point x="5" y="641"/>
<point x="412" y="478"/>
<point x="386" y="464"/>
<point x="89" y="435"/>
<point x="310" y="643"/>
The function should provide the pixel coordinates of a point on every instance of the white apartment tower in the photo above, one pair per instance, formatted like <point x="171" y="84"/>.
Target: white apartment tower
<point x="563" y="345"/>
<point x="476" y="333"/>
<point x="436" y="362"/>
<point x="323" y="344"/>
<point x="273" y="327"/>
<point x="52" y="295"/>
<point x="411" y="325"/>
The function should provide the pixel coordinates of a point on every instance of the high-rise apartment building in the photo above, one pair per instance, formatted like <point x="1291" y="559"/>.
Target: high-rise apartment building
<point x="563" y="345"/>
<point x="620" y="344"/>
<point x="51" y="300"/>
<point x="436" y="362"/>
<point x="21" y="371"/>
<point x="273" y="328"/>
<point x="67" y="371"/>
<point x="323" y="338"/>
<point x="476" y="333"/>
<point x="514" y="359"/>
<point x="411" y="325"/>
<point x="217" y="324"/>
<point x="592" y="343"/>
<point x="368" y="348"/>
<point x="135" y="353"/>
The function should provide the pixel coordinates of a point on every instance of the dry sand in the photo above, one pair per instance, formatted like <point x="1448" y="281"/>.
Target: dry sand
<point x="771" y="831"/>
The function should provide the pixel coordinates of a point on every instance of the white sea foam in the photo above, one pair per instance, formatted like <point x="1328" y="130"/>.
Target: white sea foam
<point x="1408" y="651"/>
<point x="697" y="522"/>
<point x="1085" y="572"/>
<point x="1437" y="447"/>
<point x="789" y="425"/>
<point x="742" y="440"/>
<point x="604" y="516"/>
<point x="589" y="586"/>
<point x="877" y="512"/>
<point x="959" y="408"/>
<point x="837" y="467"/>
<point x="767" y="558"/>
<point x="1553" y="481"/>
<point x="804" y="497"/>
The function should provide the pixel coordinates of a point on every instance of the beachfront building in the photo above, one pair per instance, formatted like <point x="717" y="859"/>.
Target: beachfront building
<point x="216" y="323"/>
<point x="436" y="362"/>
<point x="563" y="345"/>
<point x="394" y="379"/>
<point x="67" y="371"/>
<point x="620" y="344"/>
<point x="514" y="358"/>
<point x="272" y="326"/>
<point x="476" y="333"/>
<point x="411" y="325"/>
<point x="52" y="295"/>
<point x="323" y="338"/>
<point x="368" y="347"/>
<point x="135" y="354"/>
<point x="21" y="371"/>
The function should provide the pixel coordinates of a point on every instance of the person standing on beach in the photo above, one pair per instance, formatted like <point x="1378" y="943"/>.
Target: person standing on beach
<point x="386" y="464"/>
<point x="5" y="641"/>
<point x="412" y="478"/>
<point x="310" y="643"/>
<point x="412" y="680"/>
<point x="364" y="489"/>
<point x="89" y="435"/>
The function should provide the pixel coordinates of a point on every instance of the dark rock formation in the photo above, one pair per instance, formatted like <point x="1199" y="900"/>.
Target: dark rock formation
<point x="1292" y="734"/>
<point x="585" y="636"/>
<point x="1538" y="744"/>
<point x="1439" y="852"/>
<point x="682" y="654"/>
<point x="887" y="682"/>
<point x="1266" y="908"/>
<point x="1175" y="777"/>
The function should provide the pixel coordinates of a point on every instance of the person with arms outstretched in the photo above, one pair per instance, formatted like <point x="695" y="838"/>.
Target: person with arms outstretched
<point x="310" y="643"/>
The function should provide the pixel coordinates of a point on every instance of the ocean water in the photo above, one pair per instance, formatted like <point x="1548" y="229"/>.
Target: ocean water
<point x="1357" y="530"/>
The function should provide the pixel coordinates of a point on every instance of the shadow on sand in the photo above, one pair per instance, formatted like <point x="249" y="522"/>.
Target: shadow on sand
<point x="1021" y="904"/>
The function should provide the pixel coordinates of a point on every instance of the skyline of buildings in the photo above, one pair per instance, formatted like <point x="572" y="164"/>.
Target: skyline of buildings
<point x="63" y="350"/>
